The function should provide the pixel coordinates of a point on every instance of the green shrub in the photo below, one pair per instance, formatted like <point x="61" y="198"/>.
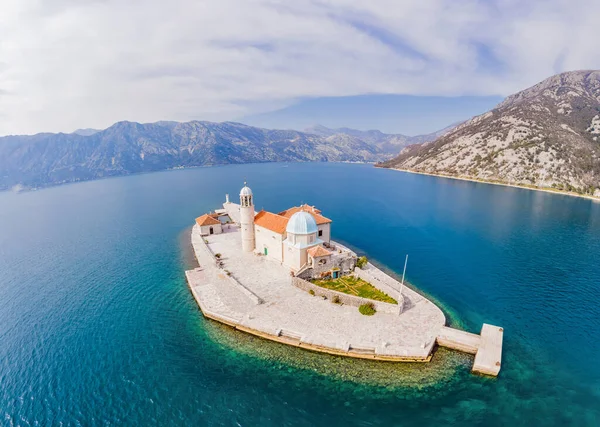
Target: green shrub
<point x="336" y="299"/>
<point x="367" y="309"/>
<point x="217" y="256"/>
<point x="362" y="262"/>
<point x="311" y="292"/>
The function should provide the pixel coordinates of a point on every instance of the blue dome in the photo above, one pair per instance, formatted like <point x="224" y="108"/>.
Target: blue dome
<point x="301" y="223"/>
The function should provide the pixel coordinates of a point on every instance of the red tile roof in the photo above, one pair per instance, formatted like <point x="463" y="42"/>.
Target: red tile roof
<point x="316" y="213"/>
<point x="271" y="221"/>
<point x="207" y="220"/>
<point x="318" y="251"/>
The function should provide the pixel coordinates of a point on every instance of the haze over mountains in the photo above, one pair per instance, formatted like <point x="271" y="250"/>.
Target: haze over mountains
<point x="128" y="147"/>
<point x="547" y="136"/>
<point x="388" y="143"/>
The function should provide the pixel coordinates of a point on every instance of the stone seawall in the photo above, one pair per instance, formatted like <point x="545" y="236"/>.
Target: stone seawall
<point x="346" y="299"/>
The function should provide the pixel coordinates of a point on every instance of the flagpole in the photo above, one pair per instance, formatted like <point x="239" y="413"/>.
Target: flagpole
<point x="403" y="274"/>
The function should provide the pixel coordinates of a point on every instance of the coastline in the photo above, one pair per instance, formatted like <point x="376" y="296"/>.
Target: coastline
<point x="273" y="316"/>
<point x="502" y="184"/>
<point x="411" y="337"/>
<point x="303" y="345"/>
<point x="21" y="188"/>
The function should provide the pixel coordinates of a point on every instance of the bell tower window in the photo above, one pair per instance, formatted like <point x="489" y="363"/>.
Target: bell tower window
<point x="246" y="197"/>
<point x="246" y="201"/>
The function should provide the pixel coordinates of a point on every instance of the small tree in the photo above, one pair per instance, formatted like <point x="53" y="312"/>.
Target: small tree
<point x="217" y="256"/>
<point x="362" y="262"/>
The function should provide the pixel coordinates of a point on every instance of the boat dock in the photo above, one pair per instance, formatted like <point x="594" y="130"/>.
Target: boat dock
<point x="486" y="347"/>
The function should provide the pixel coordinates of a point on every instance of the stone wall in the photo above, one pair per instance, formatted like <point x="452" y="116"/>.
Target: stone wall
<point x="381" y="281"/>
<point x="351" y="300"/>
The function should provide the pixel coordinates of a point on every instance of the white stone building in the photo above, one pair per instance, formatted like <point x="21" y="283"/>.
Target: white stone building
<point x="209" y="224"/>
<point x="298" y="237"/>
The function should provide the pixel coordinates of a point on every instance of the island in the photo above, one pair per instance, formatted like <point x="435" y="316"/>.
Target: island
<point x="281" y="277"/>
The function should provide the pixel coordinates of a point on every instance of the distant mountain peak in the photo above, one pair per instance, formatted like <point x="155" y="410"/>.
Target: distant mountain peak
<point x="86" y="131"/>
<point x="388" y="143"/>
<point x="130" y="147"/>
<point x="545" y="136"/>
<point x="567" y="84"/>
<point x="320" y="130"/>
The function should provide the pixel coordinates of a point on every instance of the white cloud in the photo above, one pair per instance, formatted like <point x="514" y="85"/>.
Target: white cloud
<point x="68" y="64"/>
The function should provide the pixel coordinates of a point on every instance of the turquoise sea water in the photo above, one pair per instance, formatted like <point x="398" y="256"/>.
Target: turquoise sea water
<point x="97" y="326"/>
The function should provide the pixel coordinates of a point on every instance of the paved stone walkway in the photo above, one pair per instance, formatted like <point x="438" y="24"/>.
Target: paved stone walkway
<point x="289" y="311"/>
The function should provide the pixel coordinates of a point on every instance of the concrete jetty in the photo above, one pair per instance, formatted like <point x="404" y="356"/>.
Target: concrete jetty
<point x="488" y="358"/>
<point x="486" y="347"/>
<point x="458" y="340"/>
<point x="254" y="294"/>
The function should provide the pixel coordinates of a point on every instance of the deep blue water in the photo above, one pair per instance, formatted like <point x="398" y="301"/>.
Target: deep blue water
<point x="97" y="326"/>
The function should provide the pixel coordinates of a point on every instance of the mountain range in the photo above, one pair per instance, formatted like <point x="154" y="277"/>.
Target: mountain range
<point x="547" y="136"/>
<point x="45" y="159"/>
<point x="388" y="144"/>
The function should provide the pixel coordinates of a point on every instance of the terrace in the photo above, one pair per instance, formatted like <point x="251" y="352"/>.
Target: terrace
<point x="254" y="293"/>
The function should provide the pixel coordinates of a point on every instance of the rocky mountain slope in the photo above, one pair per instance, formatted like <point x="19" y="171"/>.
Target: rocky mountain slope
<point x="389" y="144"/>
<point x="547" y="136"/>
<point x="86" y="132"/>
<point x="126" y="147"/>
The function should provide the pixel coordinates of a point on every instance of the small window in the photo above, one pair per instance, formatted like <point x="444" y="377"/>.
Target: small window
<point x="322" y="261"/>
<point x="320" y="233"/>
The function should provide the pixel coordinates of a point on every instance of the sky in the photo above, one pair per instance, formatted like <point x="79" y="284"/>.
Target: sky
<point x="68" y="64"/>
<point x="406" y="114"/>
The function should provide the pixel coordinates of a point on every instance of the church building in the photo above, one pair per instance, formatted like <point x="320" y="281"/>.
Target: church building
<point x="298" y="237"/>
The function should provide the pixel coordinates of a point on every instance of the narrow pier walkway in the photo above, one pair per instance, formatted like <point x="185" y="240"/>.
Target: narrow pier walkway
<point x="486" y="347"/>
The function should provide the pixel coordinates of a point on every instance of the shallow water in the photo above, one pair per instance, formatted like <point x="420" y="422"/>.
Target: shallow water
<point x="97" y="326"/>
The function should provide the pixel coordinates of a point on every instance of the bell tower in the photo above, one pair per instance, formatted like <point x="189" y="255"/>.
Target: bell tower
<point x="247" y="218"/>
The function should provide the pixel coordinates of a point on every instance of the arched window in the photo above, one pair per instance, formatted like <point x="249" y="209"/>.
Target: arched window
<point x="246" y="201"/>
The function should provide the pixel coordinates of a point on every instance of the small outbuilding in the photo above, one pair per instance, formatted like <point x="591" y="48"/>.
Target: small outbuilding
<point x="209" y="225"/>
<point x="319" y="256"/>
